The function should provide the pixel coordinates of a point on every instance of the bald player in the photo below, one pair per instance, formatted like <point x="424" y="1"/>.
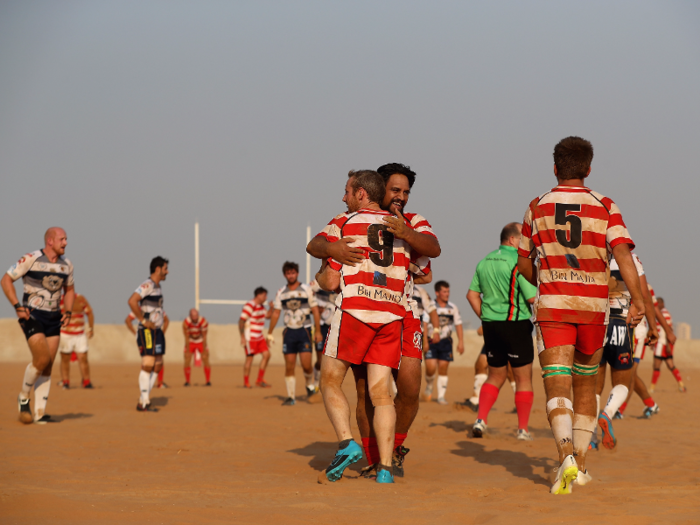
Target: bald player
<point x="45" y="274"/>
<point x="74" y="339"/>
<point x="195" y="329"/>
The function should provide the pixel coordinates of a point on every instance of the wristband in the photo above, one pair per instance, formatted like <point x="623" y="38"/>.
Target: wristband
<point x="17" y="306"/>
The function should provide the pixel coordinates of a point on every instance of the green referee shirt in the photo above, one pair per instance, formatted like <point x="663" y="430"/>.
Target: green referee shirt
<point x="504" y="290"/>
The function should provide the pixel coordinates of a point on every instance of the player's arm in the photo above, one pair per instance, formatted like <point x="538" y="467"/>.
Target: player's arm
<point x="87" y="310"/>
<point x="129" y="324"/>
<point x="328" y="278"/>
<point x="339" y="250"/>
<point x="653" y="333"/>
<point x="628" y="270"/>
<point x="423" y="243"/>
<point x="460" y="338"/>
<point x="670" y="336"/>
<point x="205" y="331"/>
<point x="526" y="267"/>
<point x="241" y="330"/>
<point x="186" y="334"/>
<point x="423" y="279"/>
<point x="318" y="336"/>
<point x="68" y="299"/>
<point x="134" y="306"/>
<point x="166" y="322"/>
<point x="474" y="299"/>
<point x="8" y="287"/>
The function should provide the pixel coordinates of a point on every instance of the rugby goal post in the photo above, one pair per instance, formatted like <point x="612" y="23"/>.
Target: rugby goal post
<point x="198" y="301"/>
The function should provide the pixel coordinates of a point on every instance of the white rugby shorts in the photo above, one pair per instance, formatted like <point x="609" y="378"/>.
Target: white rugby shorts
<point x="77" y="343"/>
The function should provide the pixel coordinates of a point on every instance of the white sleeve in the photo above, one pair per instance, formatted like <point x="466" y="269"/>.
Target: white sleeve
<point x="277" y="304"/>
<point x="21" y="267"/>
<point x="457" y="317"/>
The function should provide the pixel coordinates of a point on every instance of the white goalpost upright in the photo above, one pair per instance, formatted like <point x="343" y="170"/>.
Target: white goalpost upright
<point x="198" y="301"/>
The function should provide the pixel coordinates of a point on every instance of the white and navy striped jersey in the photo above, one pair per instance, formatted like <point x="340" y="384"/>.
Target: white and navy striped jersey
<point x="43" y="280"/>
<point x="448" y="317"/>
<point x="619" y="296"/>
<point x="296" y="305"/>
<point x="420" y="302"/>
<point x="151" y="302"/>
<point x="326" y="302"/>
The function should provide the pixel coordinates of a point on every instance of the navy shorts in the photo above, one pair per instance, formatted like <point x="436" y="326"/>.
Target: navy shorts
<point x="296" y="340"/>
<point x="441" y="350"/>
<point x="41" y="322"/>
<point x="151" y="342"/>
<point x="324" y="334"/>
<point x="617" y="351"/>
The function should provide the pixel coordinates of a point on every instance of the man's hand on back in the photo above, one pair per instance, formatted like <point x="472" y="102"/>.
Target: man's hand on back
<point x="342" y="252"/>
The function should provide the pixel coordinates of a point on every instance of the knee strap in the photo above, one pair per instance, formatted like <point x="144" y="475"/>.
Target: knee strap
<point x="586" y="423"/>
<point x="555" y="370"/>
<point x="559" y="402"/>
<point x="585" y="370"/>
<point x="382" y="400"/>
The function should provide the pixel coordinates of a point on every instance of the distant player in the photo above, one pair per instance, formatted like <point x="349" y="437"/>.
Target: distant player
<point x="146" y="304"/>
<point x="45" y="273"/>
<point x="424" y="305"/>
<point x="251" y="325"/>
<point x="74" y="340"/>
<point x="326" y="308"/>
<point x="663" y="351"/>
<point x="439" y="355"/>
<point x="299" y="304"/>
<point x="572" y="230"/>
<point x="166" y="322"/>
<point x="618" y="350"/>
<point x="501" y="297"/>
<point x="367" y="327"/>
<point x="195" y="329"/>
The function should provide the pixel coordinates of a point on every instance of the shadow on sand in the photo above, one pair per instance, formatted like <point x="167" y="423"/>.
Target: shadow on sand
<point x="159" y="402"/>
<point x="64" y="417"/>
<point x="321" y="454"/>
<point x="517" y="463"/>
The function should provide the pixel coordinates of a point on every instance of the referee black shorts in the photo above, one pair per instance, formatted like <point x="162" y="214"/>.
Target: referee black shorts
<point x="508" y="342"/>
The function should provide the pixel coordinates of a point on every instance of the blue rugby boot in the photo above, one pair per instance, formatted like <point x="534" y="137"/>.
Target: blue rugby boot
<point x="384" y="474"/>
<point x="348" y="453"/>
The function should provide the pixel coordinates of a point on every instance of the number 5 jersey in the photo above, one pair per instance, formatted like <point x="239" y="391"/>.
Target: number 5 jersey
<point x="572" y="230"/>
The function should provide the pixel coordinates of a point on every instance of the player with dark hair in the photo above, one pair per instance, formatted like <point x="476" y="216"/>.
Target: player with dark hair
<point x="45" y="274"/>
<point x="572" y="231"/>
<point x="146" y="304"/>
<point x="250" y="326"/>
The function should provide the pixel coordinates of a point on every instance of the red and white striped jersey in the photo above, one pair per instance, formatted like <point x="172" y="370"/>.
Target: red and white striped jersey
<point x="196" y="331"/>
<point x="76" y="326"/>
<point x="374" y="290"/>
<point x="668" y="318"/>
<point x="254" y="316"/>
<point x="420" y="265"/>
<point x="572" y="231"/>
<point x="653" y="295"/>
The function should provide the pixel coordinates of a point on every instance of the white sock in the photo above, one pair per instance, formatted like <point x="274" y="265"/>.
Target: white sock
<point x="41" y="395"/>
<point x="512" y="385"/>
<point x="583" y="427"/>
<point x="429" y="382"/>
<point x="317" y="377"/>
<point x="479" y="380"/>
<point x="291" y="383"/>
<point x="597" y="406"/>
<point x="442" y="386"/>
<point x="562" y="423"/>
<point x="144" y="386"/>
<point x="152" y="381"/>
<point x="309" y="379"/>
<point x="618" y="394"/>
<point x="30" y="376"/>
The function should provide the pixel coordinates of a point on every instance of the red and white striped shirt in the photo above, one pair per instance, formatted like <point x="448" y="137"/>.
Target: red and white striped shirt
<point x="196" y="331"/>
<point x="420" y="264"/>
<point x="374" y="290"/>
<point x="572" y="230"/>
<point x="254" y="316"/>
<point x="76" y="326"/>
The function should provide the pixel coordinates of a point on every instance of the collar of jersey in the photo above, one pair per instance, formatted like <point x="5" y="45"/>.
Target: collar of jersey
<point x="506" y="247"/>
<point x="377" y="212"/>
<point x="572" y="189"/>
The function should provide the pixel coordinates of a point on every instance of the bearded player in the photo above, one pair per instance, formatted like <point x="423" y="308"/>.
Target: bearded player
<point x="399" y="180"/>
<point x="45" y="274"/>
<point x="195" y="329"/>
<point x="129" y="321"/>
<point x="573" y="230"/>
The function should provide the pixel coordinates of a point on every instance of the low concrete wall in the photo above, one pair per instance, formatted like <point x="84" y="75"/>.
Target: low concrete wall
<point x="115" y="344"/>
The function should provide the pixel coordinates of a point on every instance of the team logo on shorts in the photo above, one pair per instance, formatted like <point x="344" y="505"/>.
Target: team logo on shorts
<point x="418" y="340"/>
<point x="624" y="358"/>
<point x="52" y="283"/>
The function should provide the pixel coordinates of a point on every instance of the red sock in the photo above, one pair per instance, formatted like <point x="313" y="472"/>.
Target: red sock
<point x="399" y="439"/>
<point x="188" y="371"/>
<point x="621" y="410"/>
<point x="371" y="450"/>
<point x="86" y="382"/>
<point x="207" y="373"/>
<point x="655" y="376"/>
<point x="649" y="402"/>
<point x="677" y="375"/>
<point x="487" y="398"/>
<point x="73" y="357"/>
<point x="261" y="375"/>
<point x="160" y="374"/>
<point x="523" y="404"/>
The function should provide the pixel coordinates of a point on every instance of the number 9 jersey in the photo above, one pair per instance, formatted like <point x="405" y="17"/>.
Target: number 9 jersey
<point x="572" y="231"/>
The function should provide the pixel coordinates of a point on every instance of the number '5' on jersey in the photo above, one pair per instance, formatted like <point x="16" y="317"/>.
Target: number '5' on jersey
<point x="572" y="230"/>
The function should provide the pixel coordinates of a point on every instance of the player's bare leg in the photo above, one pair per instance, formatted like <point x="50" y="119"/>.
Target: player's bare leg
<point x="307" y="368"/>
<point x="188" y="366"/>
<point x="265" y="359"/>
<point x="207" y="367"/>
<point x="333" y="373"/>
<point x="638" y="386"/>
<point x="511" y="378"/>
<point x="317" y="366"/>
<point x="557" y="363"/>
<point x="617" y="396"/>
<point x="584" y="375"/>
<point x="65" y="370"/>
<point x="84" y="368"/>
<point x="481" y="368"/>
<point x="384" y="421"/>
<point x="38" y="375"/>
<point x="147" y="378"/>
<point x="676" y="373"/>
<point x="43" y="382"/>
<point x="364" y="413"/>
<point x="431" y="373"/>
<point x="408" y="380"/>
<point x="247" y="365"/>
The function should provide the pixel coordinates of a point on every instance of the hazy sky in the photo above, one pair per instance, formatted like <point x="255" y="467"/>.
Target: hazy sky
<point x="123" y="122"/>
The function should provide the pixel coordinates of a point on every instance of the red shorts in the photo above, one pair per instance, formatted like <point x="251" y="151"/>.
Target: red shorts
<point x="196" y="347"/>
<point x="412" y="345"/>
<point x="257" y="346"/>
<point x="357" y="342"/>
<point x="586" y="338"/>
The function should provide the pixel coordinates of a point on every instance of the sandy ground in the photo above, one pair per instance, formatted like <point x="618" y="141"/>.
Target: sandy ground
<point x="226" y="454"/>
